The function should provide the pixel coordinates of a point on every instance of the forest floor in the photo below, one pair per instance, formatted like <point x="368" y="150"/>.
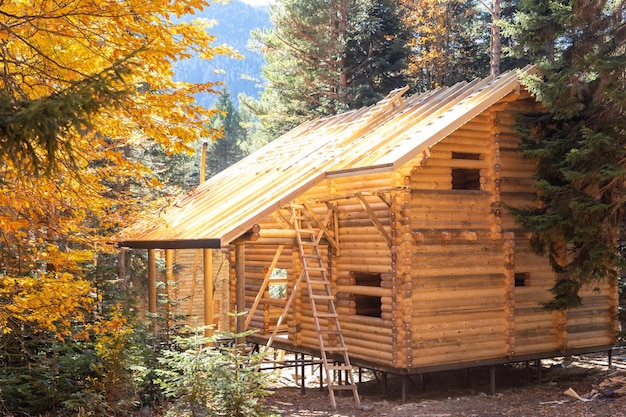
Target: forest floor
<point x="519" y="392"/>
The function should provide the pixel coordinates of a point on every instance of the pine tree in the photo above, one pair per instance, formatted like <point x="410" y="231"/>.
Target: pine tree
<point x="226" y="150"/>
<point x="580" y="138"/>
<point x="327" y="57"/>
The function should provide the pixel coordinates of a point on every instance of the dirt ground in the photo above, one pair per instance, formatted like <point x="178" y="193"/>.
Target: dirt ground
<point x="519" y="392"/>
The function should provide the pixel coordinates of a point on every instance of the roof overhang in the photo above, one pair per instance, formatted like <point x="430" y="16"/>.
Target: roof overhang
<point x="172" y="244"/>
<point x="349" y="172"/>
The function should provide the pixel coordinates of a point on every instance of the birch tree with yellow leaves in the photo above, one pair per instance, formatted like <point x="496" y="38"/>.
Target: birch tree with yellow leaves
<point x="81" y="83"/>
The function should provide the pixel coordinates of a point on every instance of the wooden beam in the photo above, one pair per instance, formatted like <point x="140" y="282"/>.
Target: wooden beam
<point x="152" y="292"/>
<point x="208" y="291"/>
<point x="372" y="216"/>
<point x="292" y="296"/>
<point x="321" y="224"/>
<point x="240" y="289"/>
<point x="266" y="281"/>
<point x="169" y="278"/>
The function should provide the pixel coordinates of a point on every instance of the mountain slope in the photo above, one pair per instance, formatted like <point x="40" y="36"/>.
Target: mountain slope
<point x="234" y="21"/>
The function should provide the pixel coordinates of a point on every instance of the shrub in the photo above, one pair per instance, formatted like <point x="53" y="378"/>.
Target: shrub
<point x="213" y="377"/>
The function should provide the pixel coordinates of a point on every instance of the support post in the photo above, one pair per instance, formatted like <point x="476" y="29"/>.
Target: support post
<point x="302" y="377"/>
<point x="539" y="370"/>
<point x="208" y="291"/>
<point x="240" y="289"/>
<point x="492" y="379"/>
<point x="170" y="290"/>
<point x="405" y="379"/>
<point x="152" y="292"/>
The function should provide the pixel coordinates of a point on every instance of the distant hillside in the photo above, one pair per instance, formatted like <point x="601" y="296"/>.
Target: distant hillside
<point x="235" y="20"/>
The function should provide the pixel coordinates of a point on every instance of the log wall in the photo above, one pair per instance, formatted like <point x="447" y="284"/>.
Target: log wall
<point x="459" y="286"/>
<point x="450" y="276"/>
<point x="186" y="290"/>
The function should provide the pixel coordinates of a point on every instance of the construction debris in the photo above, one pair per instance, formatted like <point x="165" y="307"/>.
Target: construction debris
<point x="613" y="385"/>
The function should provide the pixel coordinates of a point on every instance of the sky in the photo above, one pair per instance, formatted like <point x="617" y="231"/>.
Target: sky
<point x="257" y="2"/>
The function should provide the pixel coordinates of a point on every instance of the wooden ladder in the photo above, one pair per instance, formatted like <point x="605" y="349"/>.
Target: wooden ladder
<point x="322" y="301"/>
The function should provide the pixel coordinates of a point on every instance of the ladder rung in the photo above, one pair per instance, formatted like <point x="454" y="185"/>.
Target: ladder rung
<point x="321" y="297"/>
<point x="329" y="331"/>
<point x="311" y="256"/>
<point x="315" y="268"/>
<point x="335" y="349"/>
<point x="318" y="282"/>
<point x="327" y="315"/>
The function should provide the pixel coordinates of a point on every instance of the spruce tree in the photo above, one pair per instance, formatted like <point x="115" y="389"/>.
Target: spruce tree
<point x="579" y="140"/>
<point x="226" y="150"/>
<point x="328" y="57"/>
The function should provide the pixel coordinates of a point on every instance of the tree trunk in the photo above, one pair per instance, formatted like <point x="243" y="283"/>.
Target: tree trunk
<point x="496" y="46"/>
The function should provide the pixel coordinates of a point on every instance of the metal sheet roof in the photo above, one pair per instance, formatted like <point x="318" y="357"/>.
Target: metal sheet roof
<point x="383" y="136"/>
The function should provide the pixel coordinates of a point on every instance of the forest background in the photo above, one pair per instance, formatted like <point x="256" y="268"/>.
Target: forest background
<point x="105" y="106"/>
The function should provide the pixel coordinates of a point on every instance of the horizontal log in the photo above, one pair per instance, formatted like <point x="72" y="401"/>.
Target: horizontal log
<point x="435" y="200"/>
<point x="351" y="205"/>
<point x="460" y="333"/>
<point x="364" y="245"/>
<point x="602" y="339"/>
<point x="372" y="236"/>
<point x="359" y="223"/>
<point x="377" y="328"/>
<point x="535" y="348"/>
<point x="457" y="163"/>
<point x="351" y="334"/>
<point x="422" y="271"/>
<point x="376" y="322"/>
<point x="367" y="350"/>
<point x="364" y="290"/>
<point x="372" y="267"/>
<point x="455" y="322"/>
<point x="427" y="309"/>
<point x="439" y="356"/>
<point x="268" y="258"/>
<point x="465" y="134"/>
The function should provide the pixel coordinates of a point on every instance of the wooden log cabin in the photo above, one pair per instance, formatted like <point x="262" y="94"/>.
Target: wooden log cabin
<point x="427" y="269"/>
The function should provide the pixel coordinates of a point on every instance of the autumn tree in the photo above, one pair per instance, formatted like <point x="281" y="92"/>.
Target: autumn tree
<point x="81" y="83"/>
<point x="327" y="57"/>
<point x="579" y="140"/>
<point x="449" y="42"/>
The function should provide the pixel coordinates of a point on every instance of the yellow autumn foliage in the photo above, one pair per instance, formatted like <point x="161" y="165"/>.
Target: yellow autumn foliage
<point x="100" y="72"/>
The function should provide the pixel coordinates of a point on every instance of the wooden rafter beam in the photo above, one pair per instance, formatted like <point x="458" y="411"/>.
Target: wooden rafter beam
<point x="373" y="218"/>
<point x="322" y="225"/>
<point x="264" y="285"/>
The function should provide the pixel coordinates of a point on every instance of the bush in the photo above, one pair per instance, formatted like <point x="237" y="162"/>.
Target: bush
<point x="213" y="377"/>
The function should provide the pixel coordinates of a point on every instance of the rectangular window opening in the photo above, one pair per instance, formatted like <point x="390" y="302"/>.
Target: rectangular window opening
<point x="521" y="279"/>
<point x="466" y="155"/>
<point x="465" y="179"/>
<point x="277" y="286"/>
<point x="367" y="305"/>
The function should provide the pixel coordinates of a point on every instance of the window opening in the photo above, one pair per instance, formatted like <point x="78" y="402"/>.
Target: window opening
<point x="465" y="179"/>
<point x="521" y="279"/>
<point x="277" y="286"/>
<point x="466" y="155"/>
<point x="367" y="305"/>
